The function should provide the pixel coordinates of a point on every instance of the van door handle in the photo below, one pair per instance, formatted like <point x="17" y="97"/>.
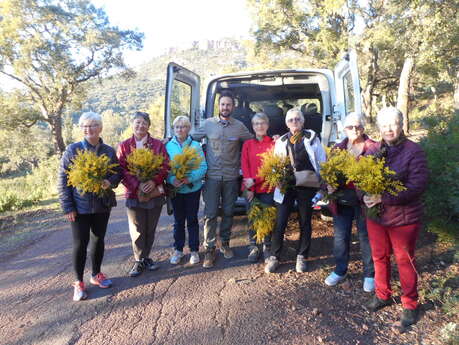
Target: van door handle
<point x="328" y="117"/>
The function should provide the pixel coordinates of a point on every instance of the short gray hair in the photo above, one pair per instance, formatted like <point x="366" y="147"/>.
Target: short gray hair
<point x="390" y="111"/>
<point x="353" y="116"/>
<point x="90" y="116"/>
<point x="260" y="116"/>
<point x="293" y="111"/>
<point x="182" y="118"/>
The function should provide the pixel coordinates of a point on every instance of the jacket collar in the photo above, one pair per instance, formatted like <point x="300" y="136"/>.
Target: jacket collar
<point x="187" y="141"/>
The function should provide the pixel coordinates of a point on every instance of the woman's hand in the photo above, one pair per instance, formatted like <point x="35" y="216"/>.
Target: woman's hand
<point x="330" y="189"/>
<point x="71" y="216"/>
<point x="106" y="184"/>
<point x="248" y="182"/>
<point x="186" y="181"/>
<point x="371" y="200"/>
<point x="250" y="195"/>
<point x="147" y="187"/>
<point x="177" y="183"/>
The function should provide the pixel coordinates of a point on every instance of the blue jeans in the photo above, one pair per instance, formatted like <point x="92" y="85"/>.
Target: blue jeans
<point x="186" y="208"/>
<point x="213" y="191"/>
<point x="342" y="224"/>
<point x="268" y="199"/>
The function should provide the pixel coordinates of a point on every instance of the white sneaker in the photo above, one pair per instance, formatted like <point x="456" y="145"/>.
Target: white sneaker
<point x="301" y="264"/>
<point x="271" y="265"/>
<point x="176" y="257"/>
<point x="194" y="258"/>
<point x="79" y="291"/>
<point x="333" y="279"/>
<point x="369" y="284"/>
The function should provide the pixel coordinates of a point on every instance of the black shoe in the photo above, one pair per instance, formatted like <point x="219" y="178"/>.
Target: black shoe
<point x="150" y="264"/>
<point x="137" y="269"/>
<point x="376" y="303"/>
<point x="409" y="317"/>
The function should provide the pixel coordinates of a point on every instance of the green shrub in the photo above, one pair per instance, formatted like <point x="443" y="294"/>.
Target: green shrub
<point x="24" y="191"/>
<point x="442" y="149"/>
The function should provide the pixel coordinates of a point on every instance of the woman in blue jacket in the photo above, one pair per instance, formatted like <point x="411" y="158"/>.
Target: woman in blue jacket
<point x="87" y="213"/>
<point x="188" y="191"/>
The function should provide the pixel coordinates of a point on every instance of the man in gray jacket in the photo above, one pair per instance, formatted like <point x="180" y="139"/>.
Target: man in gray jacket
<point x="224" y="138"/>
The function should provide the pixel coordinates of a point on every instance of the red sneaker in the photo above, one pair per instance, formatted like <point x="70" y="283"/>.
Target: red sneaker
<point x="101" y="281"/>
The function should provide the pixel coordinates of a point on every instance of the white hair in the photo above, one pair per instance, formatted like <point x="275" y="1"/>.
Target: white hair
<point x="293" y="112"/>
<point x="260" y="116"/>
<point x="388" y="112"/>
<point x="182" y="118"/>
<point x="90" y="116"/>
<point x="353" y="116"/>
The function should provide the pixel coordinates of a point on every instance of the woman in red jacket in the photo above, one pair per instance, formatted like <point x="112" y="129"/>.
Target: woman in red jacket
<point x="398" y="226"/>
<point x="250" y="163"/>
<point x="143" y="215"/>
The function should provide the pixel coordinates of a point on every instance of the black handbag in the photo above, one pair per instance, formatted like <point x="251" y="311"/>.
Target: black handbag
<point x="109" y="199"/>
<point x="347" y="197"/>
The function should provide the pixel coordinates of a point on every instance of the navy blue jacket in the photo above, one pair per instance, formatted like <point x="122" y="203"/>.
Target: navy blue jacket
<point x="69" y="197"/>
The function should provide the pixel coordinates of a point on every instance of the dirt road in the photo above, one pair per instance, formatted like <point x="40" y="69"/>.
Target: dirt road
<point x="233" y="303"/>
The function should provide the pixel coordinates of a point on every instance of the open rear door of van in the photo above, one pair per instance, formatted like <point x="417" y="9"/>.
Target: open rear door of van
<point x="182" y="96"/>
<point x="348" y="96"/>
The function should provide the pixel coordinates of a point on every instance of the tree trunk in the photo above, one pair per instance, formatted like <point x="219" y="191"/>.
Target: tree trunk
<point x="404" y="92"/>
<point x="56" y="131"/>
<point x="456" y="93"/>
<point x="371" y="84"/>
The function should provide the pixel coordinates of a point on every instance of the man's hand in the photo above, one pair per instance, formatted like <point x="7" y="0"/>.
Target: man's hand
<point x="71" y="216"/>
<point x="147" y="187"/>
<point x="248" y="182"/>
<point x="250" y="195"/>
<point x="371" y="200"/>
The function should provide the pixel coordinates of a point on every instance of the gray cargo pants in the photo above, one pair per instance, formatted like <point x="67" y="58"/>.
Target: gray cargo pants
<point x="213" y="191"/>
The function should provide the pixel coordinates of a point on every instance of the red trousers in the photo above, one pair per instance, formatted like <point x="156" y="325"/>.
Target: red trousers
<point x="400" y="240"/>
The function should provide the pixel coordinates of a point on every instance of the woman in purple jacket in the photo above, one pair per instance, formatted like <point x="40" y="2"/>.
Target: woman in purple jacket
<point x="398" y="226"/>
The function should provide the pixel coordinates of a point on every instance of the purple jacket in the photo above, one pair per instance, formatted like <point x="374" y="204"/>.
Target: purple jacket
<point x="409" y="162"/>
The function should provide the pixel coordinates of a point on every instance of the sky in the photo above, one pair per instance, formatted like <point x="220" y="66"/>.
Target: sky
<point x="171" y="23"/>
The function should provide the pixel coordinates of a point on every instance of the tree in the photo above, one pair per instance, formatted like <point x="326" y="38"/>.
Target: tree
<point x="52" y="48"/>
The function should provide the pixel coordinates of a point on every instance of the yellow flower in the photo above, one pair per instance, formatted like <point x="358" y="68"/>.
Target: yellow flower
<point x="88" y="170"/>
<point x="183" y="163"/>
<point x="144" y="164"/>
<point x="274" y="170"/>
<point x="371" y="176"/>
<point x="334" y="170"/>
<point x="263" y="218"/>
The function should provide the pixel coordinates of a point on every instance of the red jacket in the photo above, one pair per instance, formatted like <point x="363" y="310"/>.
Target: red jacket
<point x="251" y="161"/>
<point x="131" y="182"/>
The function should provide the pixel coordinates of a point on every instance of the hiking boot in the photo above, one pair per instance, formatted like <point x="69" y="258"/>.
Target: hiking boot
<point x="333" y="279"/>
<point x="272" y="264"/>
<point x="79" y="291"/>
<point x="376" y="303"/>
<point x="301" y="264"/>
<point x="176" y="257"/>
<point x="194" y="258"/>
<point x="150" y="264"/>
<point x="209" y="258"/>
<point x="137" y="269"/>
<point x="369" y="284"/>
<point x="254" y="253"/>
<point x="226" y="251"/>
<point x="101" y="281"/>
<point x="409" y="317"/>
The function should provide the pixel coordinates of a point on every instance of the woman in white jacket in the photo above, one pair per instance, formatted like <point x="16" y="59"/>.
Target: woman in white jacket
<point x="306" y="153"/>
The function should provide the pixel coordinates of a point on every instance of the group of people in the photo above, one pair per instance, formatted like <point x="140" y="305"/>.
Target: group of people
<point x="394" y="232"/>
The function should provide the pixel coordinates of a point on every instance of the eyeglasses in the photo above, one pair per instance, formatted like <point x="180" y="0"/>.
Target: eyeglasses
<point x="357" y="128"/>
<point x="294" y="119"/>
<point x="90" y="126"/>
<point x="262" y="123"/>
<point x="181" y="127"/>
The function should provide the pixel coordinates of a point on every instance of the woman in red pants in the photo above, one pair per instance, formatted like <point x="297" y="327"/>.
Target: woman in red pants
<point x="399" y="223"/>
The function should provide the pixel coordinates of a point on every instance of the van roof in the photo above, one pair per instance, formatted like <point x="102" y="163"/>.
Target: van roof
<point x="274" y="73"/>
